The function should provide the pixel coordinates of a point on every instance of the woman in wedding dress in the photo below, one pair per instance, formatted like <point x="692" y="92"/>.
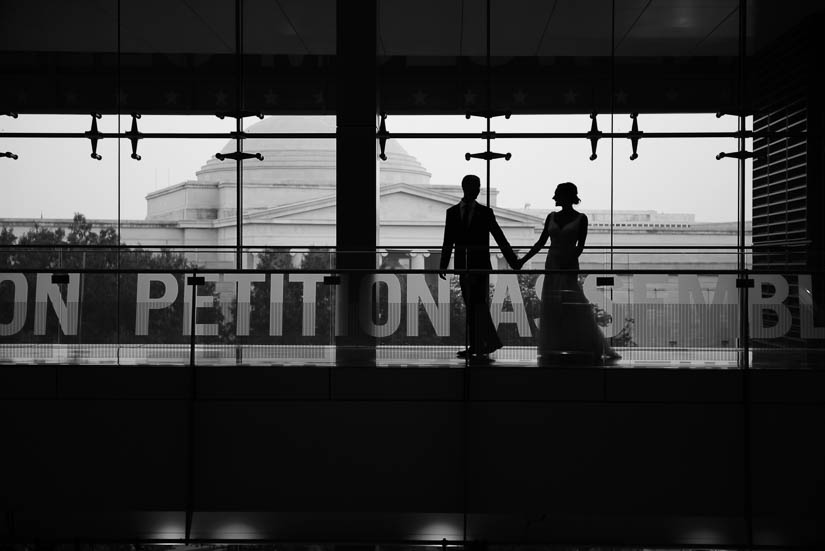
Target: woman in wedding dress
<point x="567" y="324"/>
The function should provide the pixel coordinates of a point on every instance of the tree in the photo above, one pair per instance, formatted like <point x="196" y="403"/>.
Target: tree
<point x="107" y="299"/>
<point x="293" y="301"/>
<point x="7" y="239"/>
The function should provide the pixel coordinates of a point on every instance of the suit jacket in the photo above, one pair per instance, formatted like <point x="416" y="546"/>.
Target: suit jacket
<point x="472" y="243"/>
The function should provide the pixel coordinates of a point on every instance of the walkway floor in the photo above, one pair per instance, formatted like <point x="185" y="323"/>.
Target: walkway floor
<point x="395" y="356"/>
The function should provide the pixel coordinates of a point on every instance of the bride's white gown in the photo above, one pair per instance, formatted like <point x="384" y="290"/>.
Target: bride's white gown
<point x="567" y="323"/>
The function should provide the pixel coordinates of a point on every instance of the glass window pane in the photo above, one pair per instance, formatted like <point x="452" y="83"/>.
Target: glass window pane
<point x="181" y="62"/>
<point x="551" y="57"/>
<point x="676" y="194"/>
<point x="177" y="192"/>
<point x="290" y="196"/>
<point x="420" y="179"/>
<point x="289" y="48"/>
<point x="56" y="194"/>
<point x="59" y="57"/>
<point x="696" y="65"/>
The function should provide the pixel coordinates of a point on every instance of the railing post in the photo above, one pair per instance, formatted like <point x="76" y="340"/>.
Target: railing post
<point x="194" y="280"/>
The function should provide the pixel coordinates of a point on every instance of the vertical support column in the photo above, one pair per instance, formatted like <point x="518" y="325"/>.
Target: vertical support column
<point x="744" y="310"/>
<point x="815" y="191"/>
<point x="357" y="193"/>
<point x="239" y="104"/>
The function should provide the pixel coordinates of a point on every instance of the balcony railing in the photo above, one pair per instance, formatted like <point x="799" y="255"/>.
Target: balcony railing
<point x="135" y="306"/>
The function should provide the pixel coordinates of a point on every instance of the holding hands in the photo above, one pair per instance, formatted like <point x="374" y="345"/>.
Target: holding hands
<point x="518" y="263"/>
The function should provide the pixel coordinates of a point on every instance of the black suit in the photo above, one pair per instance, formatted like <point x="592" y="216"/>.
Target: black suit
<point x="471" y="240"/>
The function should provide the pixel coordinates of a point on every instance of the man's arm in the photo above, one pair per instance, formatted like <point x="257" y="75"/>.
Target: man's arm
<point x="446" y="247"/>
<point x="498" y="235"/>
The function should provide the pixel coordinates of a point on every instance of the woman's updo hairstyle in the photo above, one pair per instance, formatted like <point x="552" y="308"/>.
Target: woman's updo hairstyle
<point x="567" y="191"/>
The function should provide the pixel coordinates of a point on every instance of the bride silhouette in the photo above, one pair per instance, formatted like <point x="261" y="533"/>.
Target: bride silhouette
<point x="567" y="324"/>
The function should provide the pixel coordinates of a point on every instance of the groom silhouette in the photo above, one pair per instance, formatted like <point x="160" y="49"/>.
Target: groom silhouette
<point x="468" y="228"/>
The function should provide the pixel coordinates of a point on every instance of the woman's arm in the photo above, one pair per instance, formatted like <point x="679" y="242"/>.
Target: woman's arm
<point x="582" y="236"/>
<point x="539" y="244"/>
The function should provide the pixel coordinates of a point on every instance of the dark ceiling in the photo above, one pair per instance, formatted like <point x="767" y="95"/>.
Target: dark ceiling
<point x="422" y="27"/>
<point x="663" y="55"/>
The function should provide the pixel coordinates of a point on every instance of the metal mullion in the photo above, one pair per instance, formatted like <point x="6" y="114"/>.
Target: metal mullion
<point x="161" y="248"/>
<point x="239" y="133"/>
<point x="119" y="170"/>
<point x="328" y="271"/>
<point x="744" y="310"/>
<point x="170" y="135"/>
<point x="568" y="135"/>
<point x="413" y="135"/>
<point x="157" y="248"/>
<point x="612" y="116"/>
<point x="104" y="135"/>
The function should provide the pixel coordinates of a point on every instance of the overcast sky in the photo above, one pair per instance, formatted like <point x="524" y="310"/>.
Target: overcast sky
<point x="56" y="177"/>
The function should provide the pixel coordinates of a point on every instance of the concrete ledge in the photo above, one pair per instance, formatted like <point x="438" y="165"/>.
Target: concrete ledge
<point x="528" y="384"/>
<point x="263" y="383"/>
<point x="390" y="383"/>
<point x="121" y="382"/>
<point x="488" y="383"/>
<point x="27" y="382"/>
<point x="673" y="385"/>
<point x="788" y="386"/>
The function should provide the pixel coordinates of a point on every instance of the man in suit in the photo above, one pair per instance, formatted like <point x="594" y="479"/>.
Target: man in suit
<point x="467" y="229"/>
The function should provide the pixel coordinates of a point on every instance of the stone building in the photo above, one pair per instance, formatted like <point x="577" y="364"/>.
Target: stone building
<point x="289" y="202"/>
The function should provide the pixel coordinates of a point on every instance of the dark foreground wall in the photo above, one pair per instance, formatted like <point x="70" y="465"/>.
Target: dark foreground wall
<point x="587" y="455"/>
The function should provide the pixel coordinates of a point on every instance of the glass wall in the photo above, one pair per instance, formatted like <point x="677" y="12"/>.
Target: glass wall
<point x="106" y="218"/>
<point x="205" y="142"/>
<point x="652" y="111"/>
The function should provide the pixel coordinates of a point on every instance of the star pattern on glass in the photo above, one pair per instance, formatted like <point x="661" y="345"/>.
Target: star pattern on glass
<point x="171" y="97"/>
<point x="621" y="97"/>
<point x="470" y="97"/>
<point x="220" y="97"/>
<point x="570" y="96"/>
<point x="519" y="97"/>
<point x="419" y="97"/>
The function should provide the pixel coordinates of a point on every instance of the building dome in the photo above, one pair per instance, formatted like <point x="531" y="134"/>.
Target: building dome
<point x="307" y="162"/>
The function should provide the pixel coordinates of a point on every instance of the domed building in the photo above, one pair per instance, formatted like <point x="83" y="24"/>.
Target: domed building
<point x="289" y="200"/>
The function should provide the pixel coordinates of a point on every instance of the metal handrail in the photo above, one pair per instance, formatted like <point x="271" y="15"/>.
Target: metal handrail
<point x="333" y="249"/>
<point x="411" y="135"/>
<point x="403" y="271"/>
